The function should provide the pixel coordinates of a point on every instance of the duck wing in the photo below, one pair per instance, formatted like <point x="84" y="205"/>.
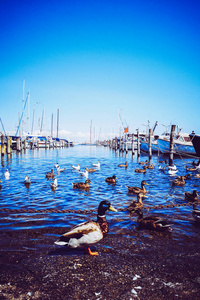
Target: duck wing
<point x="84" y="234"/>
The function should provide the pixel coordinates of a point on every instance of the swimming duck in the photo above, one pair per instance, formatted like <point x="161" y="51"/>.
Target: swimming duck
<point x="179" y="182"/>
<point x="191" y="197"/>
<point x="137" y="190"/>
<point x="7" y="174"/>
<point x="141" y="170"/>
<point x="76" y="167"/>
<point x="82" y="185"/>
<point x="91" y="170"/>
<point x="143" y="162"/>
<point x="197" y="175"/>
<point x="191" y="168"/>
<point x="187" y="176"/>
<point x="124" y="165"/>
<point x="150" y="166"/>
<point x="111" y="179"/>
<point x="97" y="165"/>
<point x="54" y="185"/>
<point x="196" y="213"/>
<point x="27" y="180"/>
<point x="136" y="204"/>
<point x="152" y="222"/>
<point x="85" y="174"/>
<point x="50" y="174"/>
<point x="88" y="233"/>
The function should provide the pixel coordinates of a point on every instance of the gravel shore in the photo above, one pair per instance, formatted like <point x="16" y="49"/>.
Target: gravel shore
<point x="146" y="266"/>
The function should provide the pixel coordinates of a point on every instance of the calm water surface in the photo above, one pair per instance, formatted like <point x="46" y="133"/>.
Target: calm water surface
<point x="36" y="163"/>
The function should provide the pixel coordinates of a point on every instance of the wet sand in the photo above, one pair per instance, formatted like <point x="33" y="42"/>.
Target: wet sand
<point x="146" y="266"/>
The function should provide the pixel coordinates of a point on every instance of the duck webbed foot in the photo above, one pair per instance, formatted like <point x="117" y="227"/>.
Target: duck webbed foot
<point x="88" y="250"/>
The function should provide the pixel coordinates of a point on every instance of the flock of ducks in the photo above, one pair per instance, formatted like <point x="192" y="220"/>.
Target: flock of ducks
<point x="88" y="233"/>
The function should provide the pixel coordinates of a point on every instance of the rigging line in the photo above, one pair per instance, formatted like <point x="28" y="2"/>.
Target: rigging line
<point x="22" y="116"/>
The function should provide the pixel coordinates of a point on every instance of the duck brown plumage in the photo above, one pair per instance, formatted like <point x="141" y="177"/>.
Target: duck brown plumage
<point x="141" y="170"/>
<point x="82" y="185"/>
<point x="136" y="204"/>
<point x="196" y="213"/>
<point x="152" y="222"/>
<point x="191" y="197"/>
<point x="143" y="162"/>
<point x="111" y="179"/>
<point x="123" y="165"/>
<point x="50" y="174"/>
<point x="190" y="168"/>
<point x="91" y="170"/>
<point x="179" y="182"/>
<point x="137" y="190"/>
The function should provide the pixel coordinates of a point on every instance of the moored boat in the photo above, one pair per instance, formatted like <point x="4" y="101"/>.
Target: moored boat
<point x="182" y="144"/>
<point x="195" y="138"/>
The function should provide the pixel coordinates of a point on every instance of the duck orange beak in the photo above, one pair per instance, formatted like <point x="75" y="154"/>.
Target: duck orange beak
<point x="112" y="208"/>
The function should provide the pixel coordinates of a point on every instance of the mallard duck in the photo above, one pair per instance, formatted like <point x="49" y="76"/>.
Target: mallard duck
<point x="76" y="167"/>
<point x="190" y="168"/>
<point x="179" y="182"/>
<point x="187" y="176"/>
<point x="85" y="174"/>
<point x="137" y="190"/>
<point x="136" y="204"/>
<point x="152" y="222"/>
<point x="7" y="174"/>
<point x="88" y="233"/>
<point x="27" y="180"/>
<point x="196" y="213"/>
<point x="91" y="170"/>
<point x="97" y="165"/>
<point x="141" y="170"/>
<point x="191" y="197"/>
<point x="143" y="162"/>
<point x="150" y="166"/>
<point x="54" y="185"/>
<point x="50" y="174"/>
<point x="111" y="179"/>
<point x="123" y="165"/>
<point x="82" y="185"/>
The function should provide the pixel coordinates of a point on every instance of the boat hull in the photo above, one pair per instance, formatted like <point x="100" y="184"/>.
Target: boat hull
<point x="195" y="138"/>
<point x="144" y="146"/>
<point x="179" y="148"/>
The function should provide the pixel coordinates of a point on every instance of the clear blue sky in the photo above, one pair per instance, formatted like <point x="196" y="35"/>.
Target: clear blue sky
<point x="93" y="59"/>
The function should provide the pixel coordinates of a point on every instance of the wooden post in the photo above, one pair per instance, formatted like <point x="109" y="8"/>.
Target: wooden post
<point x="8" y="145"/>
<point x="2" y="145"/>
<point x="24" y="144"/>
<point x="46" y="144"/>
<point x="171" y="146"/>
<point x="138" y="143"/>
<point x="150" y="150"/>
<point x="21" y="144"/>
<point x="18" y="145"/>
<point x="126" y="144"/>
<point x="133" y="145"/>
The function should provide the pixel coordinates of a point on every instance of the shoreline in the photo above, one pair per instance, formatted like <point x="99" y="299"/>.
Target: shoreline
<point x="146" y="266"/>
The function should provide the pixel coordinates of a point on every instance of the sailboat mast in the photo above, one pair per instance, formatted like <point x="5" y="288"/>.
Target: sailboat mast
<point x="57" y="121"/>
<point x="33" y="120"/>
<point x="52" y="125"/>
<point x="23" y="107"/>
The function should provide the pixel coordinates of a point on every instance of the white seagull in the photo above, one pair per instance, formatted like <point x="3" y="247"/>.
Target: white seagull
<point x="84" y="173"/>
<point x="7" y="174"/>
<point x="76" y="167"/>
<point x="97" y="165"/>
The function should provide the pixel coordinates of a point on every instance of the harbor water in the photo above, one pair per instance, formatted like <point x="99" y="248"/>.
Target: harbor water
<point x="38" y="206"/>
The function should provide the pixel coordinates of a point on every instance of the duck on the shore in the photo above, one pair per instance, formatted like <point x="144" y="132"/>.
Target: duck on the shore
<point x="196" y="213"/>
<point x="88" y="233"/>
<point x="137" y="190"/>
<point x="111" y="179"/>
<point x="7" y="174"/>
<point x="141" y="170"/>
<point x="123" y="165"/>
<point x="82" y="185"/>
<point x="136" y="204"/>
<point x="76" y="167"/>
<point x="50" y="174"/>
<point x="179" y="182"/>
<point x="192" y="197"/>
<point x="152" y="222"/>
<point x="97" y="165"/>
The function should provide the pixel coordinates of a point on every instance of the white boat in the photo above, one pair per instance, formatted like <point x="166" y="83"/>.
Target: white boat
<point x="182" y="144"/>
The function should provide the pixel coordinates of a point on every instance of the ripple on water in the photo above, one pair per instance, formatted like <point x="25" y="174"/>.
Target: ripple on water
<point x="39" y="196"/>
